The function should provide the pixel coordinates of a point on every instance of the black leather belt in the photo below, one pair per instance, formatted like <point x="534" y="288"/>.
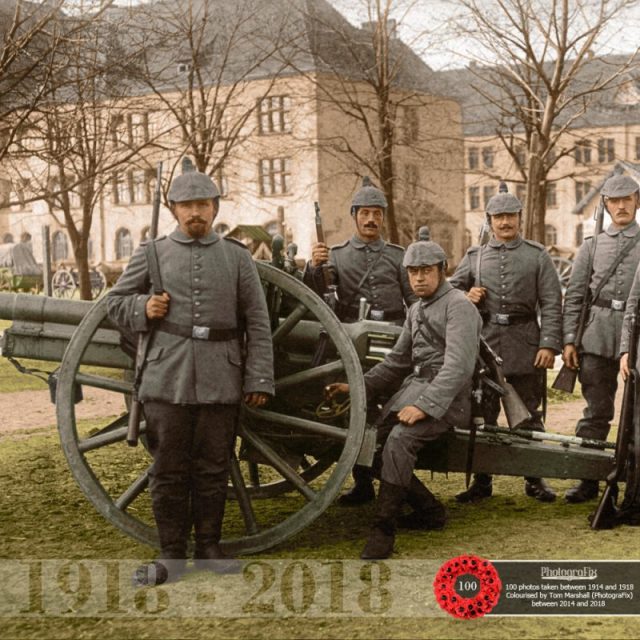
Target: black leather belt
<point x="197" y="332"/>
<point x="509" y="318"/>
<point x="424" y="371"/>
<point x="616" y="305"/>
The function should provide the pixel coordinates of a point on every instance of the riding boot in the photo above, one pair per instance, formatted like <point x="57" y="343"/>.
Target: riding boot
<point x="537" y="488"/>
<point x="583" y="491"/>
<point x="382" y="535"/>
<point x="362" y="491"/>
<point x="171" y="514"/>
<point x="481" y="487"/>
<point x="428" y="512"/>
<point x="208" y="513"/>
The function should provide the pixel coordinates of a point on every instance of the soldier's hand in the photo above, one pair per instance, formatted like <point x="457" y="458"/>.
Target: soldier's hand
<point x="411" y="414"/>
<point x="545" y="359"/>
<point x="477" y="294"/>
<point x="256" y="399"/>
<point x="319" y="254"/>
<point x="157" y="306"/>
<point x="624" y="366"/>
<point x="335" y="388"/>
<point x="570" y="356"/>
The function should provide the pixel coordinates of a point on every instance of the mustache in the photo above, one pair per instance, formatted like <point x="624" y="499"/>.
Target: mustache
<point x="370" y="225"/>
<point x="196" y="219"/>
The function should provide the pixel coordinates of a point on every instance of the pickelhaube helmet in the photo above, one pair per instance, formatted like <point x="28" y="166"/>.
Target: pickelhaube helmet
<point x="368" y="196"/>
<point x="192" y="185"/>
<point x="503" y="202"/>
<point x="619" y="186"/>
<point x="423" y="253"/>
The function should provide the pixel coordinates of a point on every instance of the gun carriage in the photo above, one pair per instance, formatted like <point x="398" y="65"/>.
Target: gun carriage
<point x="294" y="456"/>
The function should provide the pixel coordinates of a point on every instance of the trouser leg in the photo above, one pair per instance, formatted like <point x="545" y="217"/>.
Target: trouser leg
<point x="599" y="379"/>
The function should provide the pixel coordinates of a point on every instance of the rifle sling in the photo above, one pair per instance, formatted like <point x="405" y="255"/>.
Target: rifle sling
<point x="357" y="292"/>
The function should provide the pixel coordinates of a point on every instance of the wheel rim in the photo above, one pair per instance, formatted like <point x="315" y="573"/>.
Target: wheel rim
<point x="257" y="535"/>
<point x="63" y="284"/>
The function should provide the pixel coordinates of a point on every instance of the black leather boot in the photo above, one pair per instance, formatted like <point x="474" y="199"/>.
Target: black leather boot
<point x="537" y="488"/>
<point x="428" y="512"/>
<point x="362" y="491"/>
<point x="208" y="513"/>
<point x="382" y="535"/>
<point x="172" y="518"/>
<point x="481" y="488"/>
<point x="583" y="491"/>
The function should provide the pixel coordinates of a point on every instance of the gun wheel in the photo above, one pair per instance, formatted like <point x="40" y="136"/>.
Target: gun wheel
<point x="283" y="475"/>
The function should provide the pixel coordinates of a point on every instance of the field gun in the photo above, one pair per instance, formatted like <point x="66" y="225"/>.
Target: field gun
<point x="292" y="457"/>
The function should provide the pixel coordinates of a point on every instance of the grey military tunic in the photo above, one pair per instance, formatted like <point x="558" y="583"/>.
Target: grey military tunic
<point x="212" y="283"/>
<point x="386" y="287"/>
<point x="632" y="306"/>
<point x="604" y="326"/>
<point x="434" y="366"/>
<point x="520" y="280"/>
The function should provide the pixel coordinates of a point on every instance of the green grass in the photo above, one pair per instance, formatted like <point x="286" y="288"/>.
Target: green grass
<point x="45" y="515"/>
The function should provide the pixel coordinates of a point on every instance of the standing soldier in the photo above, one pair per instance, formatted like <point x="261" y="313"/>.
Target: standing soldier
<point x="433" y="363"/>
<point x="364" y="266"/>
<point x="196" y="372"/>
<point x="510" y="280"/>
<point x="603" y="269"/>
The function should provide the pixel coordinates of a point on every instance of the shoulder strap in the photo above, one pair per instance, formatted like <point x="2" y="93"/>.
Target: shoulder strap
<point x="434" y="338"/>
<point x="352" y="298"/>
<point x="151" y="253"/>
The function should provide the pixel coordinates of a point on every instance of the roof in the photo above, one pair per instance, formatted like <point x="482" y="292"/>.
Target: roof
<point x="616" y="105"/>
<point x="621" y="166"/>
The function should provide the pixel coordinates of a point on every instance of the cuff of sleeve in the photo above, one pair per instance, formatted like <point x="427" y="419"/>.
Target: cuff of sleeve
<point x="550" y="343"/>
<point x="259" y="385"/>
<point x="569" y="338"/>
<point x="430" y="406"/>
<point x="140" y="320"/>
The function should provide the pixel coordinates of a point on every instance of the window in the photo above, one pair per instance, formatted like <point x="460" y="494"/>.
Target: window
<point x="582" y="152"/>
<point x="487" y="157"/>
<point x="488" y="191"/>
<point x="184" y="67"/>
<point x="120" y="189"/>
<point x="474" y="198"/>
<point x="7" y="238"/>
<point x="75" y="199"/>
<point x="124" y="244"/>
<point x="550" y="235"/>
<point x="138" y="179"/>
<point x="274" y="176"/>
<point x="521" y="192"/>
<point x="222" y="229"/>
<point x="521" y="155"/>
<point x="473" y="157"/>
<point x="637" y="148"/>
<point x="273" y="114"/>
<point x="220" y="178"/>
<point x="579" y="234"/>
<point x="552" y="195"/>
<point x="409" y="125"/>
<point x="582" y="189"/>
<point x="138" y="129"/>
<point x="59" y="247"/>
<point x="411" y="180"/>
<point x="606" y="150"/>
<point x="468" y="239"/>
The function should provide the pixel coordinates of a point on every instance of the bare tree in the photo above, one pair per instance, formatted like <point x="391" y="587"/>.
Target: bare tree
<point x="200" y="60"/>
<point x="539" y="79"/>
<point x="379" y="84"/>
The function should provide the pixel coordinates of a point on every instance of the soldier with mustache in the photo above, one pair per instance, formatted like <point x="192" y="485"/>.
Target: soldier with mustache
<point x="365" y="266"/>
<point x="511" y="280"/>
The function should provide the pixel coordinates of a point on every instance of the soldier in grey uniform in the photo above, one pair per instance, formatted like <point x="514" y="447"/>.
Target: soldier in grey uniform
<point x="598" y="359"/>
<point x="510" y="279"/>
<point x="364" y="266"/>
<point x="432" y="363"/>
<point x="210" y="350"/>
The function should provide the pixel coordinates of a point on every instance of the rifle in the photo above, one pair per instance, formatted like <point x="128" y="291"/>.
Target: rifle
<point x="327" y="270"/>
<point x="605" y="515"/>
<point x="514" y="408"/>
<point x="135" y="412"/>
<point x="566" y="378"/>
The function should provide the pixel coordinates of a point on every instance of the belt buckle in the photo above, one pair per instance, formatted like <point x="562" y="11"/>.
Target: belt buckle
<point x="617" y="305"/>
<point x="200" y="333"/>
<point x="377" y="314"/>
<point x="502" y="318"/>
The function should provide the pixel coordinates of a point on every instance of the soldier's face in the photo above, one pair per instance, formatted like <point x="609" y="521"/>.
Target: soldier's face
<point x="195" y="217"/>
<point x="369" y="223"/>
<point x="425" y="280"/>
<point x="622" y="210"/>
<point x="505" y="226"/>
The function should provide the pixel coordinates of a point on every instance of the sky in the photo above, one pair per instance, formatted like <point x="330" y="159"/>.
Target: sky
<point x="447" y="51"/>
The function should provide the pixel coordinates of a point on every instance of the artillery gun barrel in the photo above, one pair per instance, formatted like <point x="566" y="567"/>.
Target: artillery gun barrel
<point x="30" y="308"/>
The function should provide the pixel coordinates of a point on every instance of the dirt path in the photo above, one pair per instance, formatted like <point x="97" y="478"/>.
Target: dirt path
<point x="29" y="410"/>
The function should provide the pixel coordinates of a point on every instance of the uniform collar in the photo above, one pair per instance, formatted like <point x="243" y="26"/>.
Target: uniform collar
<point x="512" y="244"/>
<point x="183" y="238"/>
<point x="629" y="231"/>
<point x="357" y="243"/>
<point x="445" y="287"/>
